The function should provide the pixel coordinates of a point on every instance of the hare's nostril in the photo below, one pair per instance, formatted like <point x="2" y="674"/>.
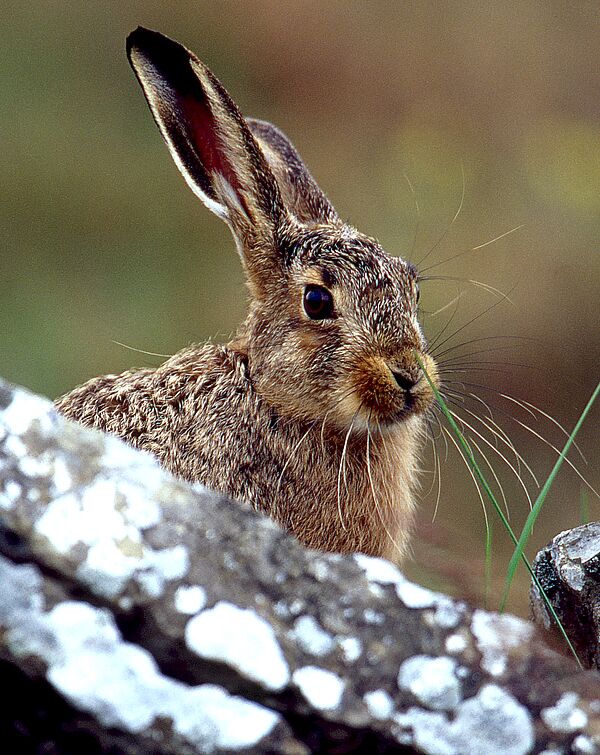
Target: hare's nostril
<point x="405" y="379"/>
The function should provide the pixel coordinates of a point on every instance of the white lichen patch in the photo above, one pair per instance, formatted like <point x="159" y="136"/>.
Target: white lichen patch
<point x="41" y="465"/>
<point x="491" y="723"/>
<point x="26" y="410"/>
<point x="319" y="568"/>
<point x="448" y="612"/>
<point x="382" y="572"/>
<point x="117" y="683"/>
<point x="190" y="599"/>
<point x="14" y="446"/>
<point x="238" y="724"/>
<point x="432" y="681"/>
<point x="281" y="609"/>
<point x="415" y="596"/>
<point x="242" y="639"/>
<point x="583" y="745"/>
<point x="351" y="648"/>
<point x="311" y="637"/>
<point x="565" y="717"/>
<point x="138" y="508"/>
<point x="373" y="617"/>
<point x="131" y="463"/>
<point x="496" y="635"/>
<point x="167" y="563"/>
<point x="122" y="687"/>
<point x="109" y="516"/>
<point x="296" y="606"/>
<point x="88" y="518"/>
<point x="322" y="689"/>
<point x="106" y="568"/>
<point x="379" y="704"/>
<point x="379" y="570"/>
<point x="573" y="574"/>
<point x="455" y="644"/>
<point x="62" y="480"/>
<point x="10" y="494"/>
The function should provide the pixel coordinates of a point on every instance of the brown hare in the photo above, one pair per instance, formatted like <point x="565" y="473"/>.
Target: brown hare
<point x="314" y="412"/>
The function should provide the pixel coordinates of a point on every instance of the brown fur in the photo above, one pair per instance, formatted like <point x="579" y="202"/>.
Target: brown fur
<point x="308" y="420"/>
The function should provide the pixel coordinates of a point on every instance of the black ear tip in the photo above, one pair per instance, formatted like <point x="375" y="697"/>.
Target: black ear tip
<point x="136" y="38"/>
<point x="162" y="51"/>
<point x="150" y="41"/>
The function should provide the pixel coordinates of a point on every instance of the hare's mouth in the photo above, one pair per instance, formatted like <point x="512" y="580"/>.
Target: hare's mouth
<point x="386" y="392"/>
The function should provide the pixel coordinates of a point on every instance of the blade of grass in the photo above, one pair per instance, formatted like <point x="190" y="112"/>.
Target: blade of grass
<point x="480" y="476"/>
<point x="488" y="567"/>
<point x="539" y="501"/>
<point x="584" y="508"/>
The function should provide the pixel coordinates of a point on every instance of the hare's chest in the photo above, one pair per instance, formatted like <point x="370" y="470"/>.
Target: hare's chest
<point x="347" y="497"/>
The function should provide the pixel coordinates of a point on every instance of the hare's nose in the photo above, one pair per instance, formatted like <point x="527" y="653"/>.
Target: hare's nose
<point x="406" y="379"/>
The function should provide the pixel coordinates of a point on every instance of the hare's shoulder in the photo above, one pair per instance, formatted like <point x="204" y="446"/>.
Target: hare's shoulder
<point x="141" y="403"/>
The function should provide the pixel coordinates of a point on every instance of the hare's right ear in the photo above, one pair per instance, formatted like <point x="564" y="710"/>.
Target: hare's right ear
<point x="301" y="194"/>
<point x="208" y="138"/>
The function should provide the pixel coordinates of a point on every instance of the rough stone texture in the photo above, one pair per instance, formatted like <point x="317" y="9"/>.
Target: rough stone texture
<point x="569" y="571"/>
<point x="140" y="614"/>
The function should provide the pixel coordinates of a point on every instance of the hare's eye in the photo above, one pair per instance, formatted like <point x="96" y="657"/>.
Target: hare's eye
<point x="318" y="302"/>
<point x="418" y="294"/>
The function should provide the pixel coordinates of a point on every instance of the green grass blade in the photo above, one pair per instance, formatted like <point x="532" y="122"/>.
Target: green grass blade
<point x="584" y="508"/>
<point x="539" y="502"/>
<point x="488" y="567"/>
<point x="481" y="477"/>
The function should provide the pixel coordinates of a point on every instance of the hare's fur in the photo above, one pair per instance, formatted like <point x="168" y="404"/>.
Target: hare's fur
<point x="201" y="416"/>
<point x="317" y="422"/>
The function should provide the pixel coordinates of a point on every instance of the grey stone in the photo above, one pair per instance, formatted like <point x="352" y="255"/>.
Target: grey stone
<point x="142" y="614"/>
<point x="568" y="569"/>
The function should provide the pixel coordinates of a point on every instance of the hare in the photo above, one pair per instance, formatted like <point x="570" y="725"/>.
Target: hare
<point x="314" y="413"/>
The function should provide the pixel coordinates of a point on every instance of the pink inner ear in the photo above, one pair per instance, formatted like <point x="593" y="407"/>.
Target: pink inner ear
<point x="204" y="135"/>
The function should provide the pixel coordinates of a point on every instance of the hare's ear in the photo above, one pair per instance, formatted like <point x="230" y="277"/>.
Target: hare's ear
<point x="302" y="196"/>
<point x="207" y="136"/>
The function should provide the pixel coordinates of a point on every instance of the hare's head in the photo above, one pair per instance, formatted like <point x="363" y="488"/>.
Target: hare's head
<point x="332" y="330"/>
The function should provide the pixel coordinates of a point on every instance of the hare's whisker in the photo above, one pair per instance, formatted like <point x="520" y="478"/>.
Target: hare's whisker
<point x="375" y="499"/>
<point x="499" y="434"/>
<point x="436" y="459"/>
<point x="464" y="422"/>
<point x="532" y="408"/>
<point x="494" y="475"/>
<point x="558" y="452"/>
<point x="454" y="219"/>
<point x="479" y="284"/>
<point x="474" y="248"/>
<point x="343" y="467"/>
<point x="468" y="466"/>
<point x="418" y="211"/>
<point x="287" y="463"/>
<point x="487" y="338"/>
<point x="469" y="322"/>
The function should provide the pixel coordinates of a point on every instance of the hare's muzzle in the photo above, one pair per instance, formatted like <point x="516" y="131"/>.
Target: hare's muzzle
<point x="406" y="379"/>
<point x="387" y="391"/>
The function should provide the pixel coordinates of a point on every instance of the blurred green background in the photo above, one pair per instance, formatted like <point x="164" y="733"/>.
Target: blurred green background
<point x="102" y="241"/>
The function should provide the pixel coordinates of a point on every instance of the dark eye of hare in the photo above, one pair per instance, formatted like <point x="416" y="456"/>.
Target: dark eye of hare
<point x="418" y="294"/>
<point x="318" y="302"/>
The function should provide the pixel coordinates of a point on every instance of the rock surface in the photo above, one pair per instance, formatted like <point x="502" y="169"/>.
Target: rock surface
<point x="141" y="614"/>
<point x="569" y="571"/>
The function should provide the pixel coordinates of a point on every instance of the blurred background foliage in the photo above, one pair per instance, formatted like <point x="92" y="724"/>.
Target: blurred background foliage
<point x="103" y="242"/>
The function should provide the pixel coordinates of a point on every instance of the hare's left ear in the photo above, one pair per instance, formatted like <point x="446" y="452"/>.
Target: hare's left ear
<point x="210" y="142"/>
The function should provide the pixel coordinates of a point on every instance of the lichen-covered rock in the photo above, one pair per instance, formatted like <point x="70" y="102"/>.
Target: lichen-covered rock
<point x="568" y="570"/>
<point x="147" y="615"/>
